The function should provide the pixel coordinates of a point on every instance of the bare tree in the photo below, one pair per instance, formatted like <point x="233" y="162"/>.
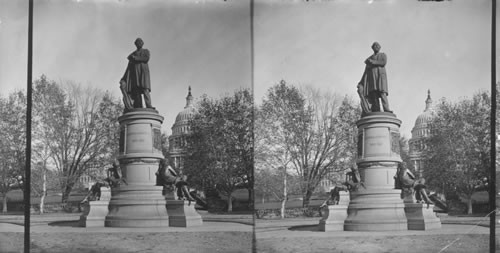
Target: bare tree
<point x="325" y="140"/>
<point x="309" y="130"/>
<point x="78" y="125"/>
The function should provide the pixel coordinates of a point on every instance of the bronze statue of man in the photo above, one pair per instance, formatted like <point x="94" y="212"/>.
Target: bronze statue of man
<point x="373" y="83"/>
<point x="166" y="177"/>
<point x="94" y="192"/>
<point x="353" y="180"/>
<point x="136" y="81"/>
<point x="334" y="197"/>
<point x="114" y="175"/>
<point x="408" y="181"/>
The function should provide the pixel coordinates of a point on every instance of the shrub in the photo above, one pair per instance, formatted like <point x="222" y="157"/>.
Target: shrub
<point x="289" y="213"/>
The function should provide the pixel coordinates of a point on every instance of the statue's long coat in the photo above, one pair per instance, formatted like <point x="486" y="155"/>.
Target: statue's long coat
<point x="375" y="78"/>
<point x="137" y="74"/>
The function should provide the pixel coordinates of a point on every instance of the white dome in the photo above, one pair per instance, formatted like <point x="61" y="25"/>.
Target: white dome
<point x="180" y="126"/>
<point x="422" y="127"/>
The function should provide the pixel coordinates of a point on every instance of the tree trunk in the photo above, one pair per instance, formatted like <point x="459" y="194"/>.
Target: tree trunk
<point x="66" y="192"/>
<point x="469" y="205"/>
<point x="283" y="208"/>
<point x="44" y="192"/>
<point x="229" y="203"/>
<point x="307" y="197"/>
<point x="4" y="209"/>
<point x="42" y="203"/>
<point x="285" y="196"/>
<point x="250" y="198"/>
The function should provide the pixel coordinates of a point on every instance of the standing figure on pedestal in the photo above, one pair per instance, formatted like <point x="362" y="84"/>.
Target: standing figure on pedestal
<point x="136" y="81"/>
<point x="167" y="177"/>
<point x="373" y="83"/>
<point x="409" y="185"/>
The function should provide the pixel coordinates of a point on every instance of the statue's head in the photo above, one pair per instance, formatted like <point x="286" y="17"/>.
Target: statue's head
<point x="116" y="163"/>
<point x="139" y="43"/>
<point x="376" y="47"/>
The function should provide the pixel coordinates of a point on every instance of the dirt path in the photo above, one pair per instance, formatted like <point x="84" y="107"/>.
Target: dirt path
<point x="178" y="242"/>
<point x="387" y="244"/>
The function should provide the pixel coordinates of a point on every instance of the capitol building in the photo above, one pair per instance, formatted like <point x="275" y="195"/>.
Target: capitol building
<point x="180" y="129"/>
<point x="420" y="132"/>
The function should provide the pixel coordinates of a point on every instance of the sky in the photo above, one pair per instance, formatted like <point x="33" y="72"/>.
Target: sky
<point x="206" y="44"/>
<point x="202" y="44"/>
<point x="441" y="46"/>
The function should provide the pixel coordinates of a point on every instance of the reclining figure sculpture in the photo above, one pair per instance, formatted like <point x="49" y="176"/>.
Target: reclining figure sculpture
<point x="167" y="177"/>
<point x="411" y="186"/>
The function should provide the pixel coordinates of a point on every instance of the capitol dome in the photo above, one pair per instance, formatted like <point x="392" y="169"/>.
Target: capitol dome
<point x="419" y="133"/>
<point x="182" y="120"/>
<point x="422" y="128"/>
<point x="180" y="129"/>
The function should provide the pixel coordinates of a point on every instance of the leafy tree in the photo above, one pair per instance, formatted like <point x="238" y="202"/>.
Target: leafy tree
<point x="12" y="143"/>
<point x="220" y="147"/>
<point x="108" y="129"/>
<point x="275" y="123"/>
<point x="458" y="154"/>
<point x="164" y="144"/>
<point x="52" y="114"/>
<point x="497" y="138"/>
<point x="404" y="151"/>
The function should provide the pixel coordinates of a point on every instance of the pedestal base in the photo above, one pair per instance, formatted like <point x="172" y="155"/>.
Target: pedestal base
<point x="376" y="210"/>
<point x="333" y="218"/>
<point x="420" y="217"/>
<point x="94" y="213"/>
<point x="137" y="206"/>
<point x="183" y="214"/>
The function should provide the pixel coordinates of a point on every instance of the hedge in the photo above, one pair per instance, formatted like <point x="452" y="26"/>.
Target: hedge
<point x="289" y="212"/>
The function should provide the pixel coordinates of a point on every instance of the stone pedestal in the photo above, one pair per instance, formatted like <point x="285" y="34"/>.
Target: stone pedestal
<point x="333" y="218"/>
<point x="421" y="217"/>
<point x="182" y="214"/>
<point x="138" y="202"/>
<point x="344" y="198"/>
<point x="94" y="212"/>
<point x="377" y="206"/>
